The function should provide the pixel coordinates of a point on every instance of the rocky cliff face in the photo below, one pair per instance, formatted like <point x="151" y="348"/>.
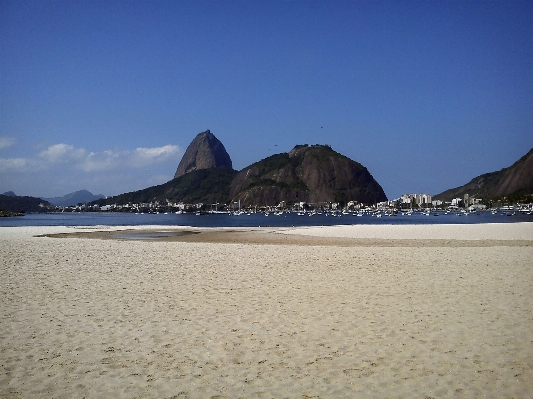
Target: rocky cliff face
<point x="513" y="180"/>
<point x="516" y="178"/>
<point x="204" y="152"/>
<point x="311" y="174"/>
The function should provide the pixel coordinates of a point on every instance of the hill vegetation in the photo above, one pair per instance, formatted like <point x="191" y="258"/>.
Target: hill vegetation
<point x="313" y="174"/>
<point x="514" y="183"/>
<point x="22" y="204"/>
<point x="201" y="185"/>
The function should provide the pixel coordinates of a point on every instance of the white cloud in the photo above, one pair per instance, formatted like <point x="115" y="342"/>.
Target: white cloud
<point x="96" y="162"/>
<point x="67" y="155"/>
<point x="63" y="153"/>
<point x="138" y="158"/>
<point x="10" y="164"/>
<point x="157" y="152"/>
<point x="107" y="160"/>
<point x="63" y="168"/>
<point x="6" y="142"/>
<point x="146" y="156"/>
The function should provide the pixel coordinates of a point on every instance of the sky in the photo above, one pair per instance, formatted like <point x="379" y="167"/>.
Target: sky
<point x="107" y="95"/>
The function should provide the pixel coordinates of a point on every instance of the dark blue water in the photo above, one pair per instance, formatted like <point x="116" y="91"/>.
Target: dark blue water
<point x="253" y="220"/>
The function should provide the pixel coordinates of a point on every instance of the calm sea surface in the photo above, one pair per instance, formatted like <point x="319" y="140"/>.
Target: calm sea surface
<point x="253" y="220"/>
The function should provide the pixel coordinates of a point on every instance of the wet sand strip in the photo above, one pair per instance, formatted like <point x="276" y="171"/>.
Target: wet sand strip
<point x="274" y="237"/>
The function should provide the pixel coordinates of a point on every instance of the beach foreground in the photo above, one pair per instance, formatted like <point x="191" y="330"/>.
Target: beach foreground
<point x="317" y="313"/>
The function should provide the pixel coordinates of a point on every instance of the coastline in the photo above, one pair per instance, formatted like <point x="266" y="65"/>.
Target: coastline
<point x="460" y="235"/>
<point x="345" y="314"/>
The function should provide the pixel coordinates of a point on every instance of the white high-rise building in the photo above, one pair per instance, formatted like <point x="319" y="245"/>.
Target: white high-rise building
<point x="418" y="199"/>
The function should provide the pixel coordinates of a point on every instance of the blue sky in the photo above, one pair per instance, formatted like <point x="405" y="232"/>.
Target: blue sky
<point x="107" y="95"/>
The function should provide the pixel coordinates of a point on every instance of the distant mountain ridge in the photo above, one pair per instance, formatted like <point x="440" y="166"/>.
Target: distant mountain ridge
<point x="72" y="199"/>
<point x="311" y="174"/>
<point x="513" y="181"/>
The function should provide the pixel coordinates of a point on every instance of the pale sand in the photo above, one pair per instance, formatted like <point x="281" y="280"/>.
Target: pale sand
<point x="495" y="231"/>
<point x="164" y="318"/>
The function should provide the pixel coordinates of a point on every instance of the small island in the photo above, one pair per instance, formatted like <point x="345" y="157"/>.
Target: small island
<point x="4" y="214"/>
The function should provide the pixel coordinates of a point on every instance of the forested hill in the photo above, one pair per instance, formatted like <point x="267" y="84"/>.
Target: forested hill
<point x="514" y="182"/>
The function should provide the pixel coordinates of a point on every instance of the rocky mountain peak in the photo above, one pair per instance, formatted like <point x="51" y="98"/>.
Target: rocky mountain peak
<point x="204" y="152"/>
<point x="307" y="173"/>
<point x="515" y="180"/>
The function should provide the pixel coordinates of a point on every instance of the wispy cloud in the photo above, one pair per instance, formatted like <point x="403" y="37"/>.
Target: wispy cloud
<point x="63" y="153"/>
<point x="106" y="160"/>
<point x="155" y="154"/>
<point x="138" y="158"/>
<point x="67" y="156"/>
<point x="6" y="142"/>
<point x="63" y="168"/>
<point x="13" y="164"/>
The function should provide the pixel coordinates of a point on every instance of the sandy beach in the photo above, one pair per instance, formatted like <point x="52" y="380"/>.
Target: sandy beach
<point x="441" y="311"/>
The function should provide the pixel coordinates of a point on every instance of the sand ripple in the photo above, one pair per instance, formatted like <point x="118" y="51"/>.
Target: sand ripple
<point x="109" y="318"/>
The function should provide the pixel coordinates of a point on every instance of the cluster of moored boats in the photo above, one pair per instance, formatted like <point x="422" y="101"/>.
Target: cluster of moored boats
<point x="375" y="213"/>
<point x="369" y="212"/>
